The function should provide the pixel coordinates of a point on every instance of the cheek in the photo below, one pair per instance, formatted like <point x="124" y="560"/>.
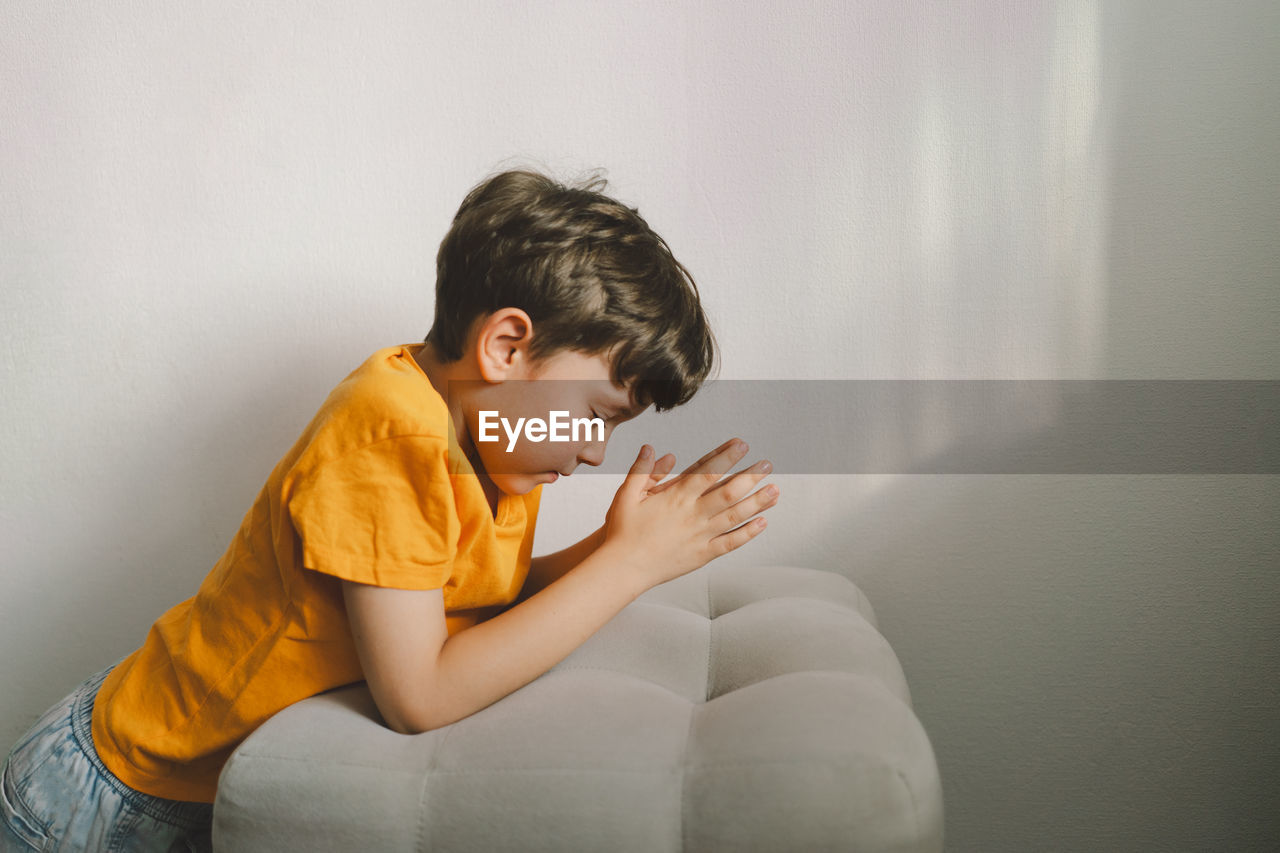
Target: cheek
<point x="496" y="459"/>
<point x="543" y="455"/>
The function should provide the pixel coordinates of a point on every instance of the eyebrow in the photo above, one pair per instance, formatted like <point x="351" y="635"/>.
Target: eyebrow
<point x="619" y="409"/>
<point x="629" y="411"/>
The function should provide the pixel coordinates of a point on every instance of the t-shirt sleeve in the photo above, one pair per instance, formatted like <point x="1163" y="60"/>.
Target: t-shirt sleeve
<point x="383" y="514"/>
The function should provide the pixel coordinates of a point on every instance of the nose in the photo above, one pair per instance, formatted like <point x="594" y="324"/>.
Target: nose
<point x="592" y="454"/>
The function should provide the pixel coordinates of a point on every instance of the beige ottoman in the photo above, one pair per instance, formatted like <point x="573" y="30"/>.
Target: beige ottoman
<point x="732" y="709"/>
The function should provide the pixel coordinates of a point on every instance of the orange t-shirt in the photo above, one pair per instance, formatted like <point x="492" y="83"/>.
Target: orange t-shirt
<point x="372" y="492"/>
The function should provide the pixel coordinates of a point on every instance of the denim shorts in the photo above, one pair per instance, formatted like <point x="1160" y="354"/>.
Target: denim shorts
<point x="57" y="794"/>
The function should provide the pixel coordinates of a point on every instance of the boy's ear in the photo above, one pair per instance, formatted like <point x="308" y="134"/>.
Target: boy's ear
<point x="502" y="345"/>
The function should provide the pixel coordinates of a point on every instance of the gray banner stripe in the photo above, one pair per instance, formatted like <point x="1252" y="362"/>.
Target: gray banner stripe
<point x="974" y="426"/>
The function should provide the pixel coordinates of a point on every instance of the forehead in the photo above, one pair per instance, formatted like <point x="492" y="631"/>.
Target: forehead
<point x="589" y="375"/>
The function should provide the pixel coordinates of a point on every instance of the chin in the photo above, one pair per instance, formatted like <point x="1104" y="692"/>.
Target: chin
<point x="521" y="484"/>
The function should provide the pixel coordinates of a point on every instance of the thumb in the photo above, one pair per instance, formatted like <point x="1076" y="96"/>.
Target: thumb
<point x="638" y="477"/>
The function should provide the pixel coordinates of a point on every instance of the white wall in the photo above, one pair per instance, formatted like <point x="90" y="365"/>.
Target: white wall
<point x="209" y="214"/>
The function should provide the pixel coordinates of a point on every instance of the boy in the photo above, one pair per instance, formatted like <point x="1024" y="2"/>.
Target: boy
<point x="390" y="543"/>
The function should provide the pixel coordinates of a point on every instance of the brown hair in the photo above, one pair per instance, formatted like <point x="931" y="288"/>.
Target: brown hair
<point x="590" y="273"/>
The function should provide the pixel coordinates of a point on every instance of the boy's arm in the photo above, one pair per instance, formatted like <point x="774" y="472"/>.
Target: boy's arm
<point x="421" y="678"/>
<point x="545" y="570"/>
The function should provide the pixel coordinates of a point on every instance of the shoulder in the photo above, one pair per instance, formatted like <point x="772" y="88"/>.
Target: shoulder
<point x="384" y="413"/>
<point x="389" y="396"/>
<point x="387" y="399"/>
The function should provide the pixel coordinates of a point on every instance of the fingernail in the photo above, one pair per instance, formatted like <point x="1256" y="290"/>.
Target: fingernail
<point x="766" y="466"/>
<point x="740" y="446"/>
<point x="646" y="452"/>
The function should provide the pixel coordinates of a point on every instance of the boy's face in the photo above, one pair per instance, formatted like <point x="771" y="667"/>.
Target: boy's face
<point x="566" y="382"/>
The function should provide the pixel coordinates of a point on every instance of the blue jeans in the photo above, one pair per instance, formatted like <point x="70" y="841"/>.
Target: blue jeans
<point x="58" y="796"/>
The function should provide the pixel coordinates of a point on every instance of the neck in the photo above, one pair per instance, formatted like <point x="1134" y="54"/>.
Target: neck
<point x="460" y="372"/>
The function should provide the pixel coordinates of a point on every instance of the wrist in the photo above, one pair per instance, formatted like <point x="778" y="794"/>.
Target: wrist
<point x="622" y="567"/>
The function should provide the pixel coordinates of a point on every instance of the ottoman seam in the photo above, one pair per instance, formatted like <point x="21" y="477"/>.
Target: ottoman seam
<point x="711" y="628"/>
<point x="860" y="757"/>
<point x="915" y="808"/>
<point x="632" y="676"/>
<point x="688" y="732"/>
<point x="684" y="779"/>
<point x="426" y="783"/>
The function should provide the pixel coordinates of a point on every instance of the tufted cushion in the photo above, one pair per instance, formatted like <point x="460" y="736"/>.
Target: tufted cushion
<point x="731" y="709"/>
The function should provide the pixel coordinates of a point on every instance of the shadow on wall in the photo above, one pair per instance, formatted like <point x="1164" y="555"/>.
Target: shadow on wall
<point x="1094" y="656"/>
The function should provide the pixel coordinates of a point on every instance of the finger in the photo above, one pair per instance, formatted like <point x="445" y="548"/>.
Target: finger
<point x="707" y="473"/>
<point x="693" y="469"/>
<point x="731" y="489"/>
<point x="661" y="469"/>
<point x="736" y="538"/>
<point x="707" y="458"/>
<point x="637" y="479"/>
<point x="744" y="509"/>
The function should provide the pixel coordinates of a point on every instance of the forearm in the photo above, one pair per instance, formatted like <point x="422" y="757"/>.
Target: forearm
<point x="488" y="661"/>
<point x="546" y="570"/>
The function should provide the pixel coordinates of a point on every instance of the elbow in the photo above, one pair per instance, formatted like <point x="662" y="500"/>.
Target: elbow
<point x="401" y="727"/>
<point x="418" y="701"/>
<point x="409" y="704"/>
<point x="417" y="720"/>
<point x="408" y="723"/>
<point x="399" y="723"/>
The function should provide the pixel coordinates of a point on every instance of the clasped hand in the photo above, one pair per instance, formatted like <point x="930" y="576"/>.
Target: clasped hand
<point x="665" y="529"/>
